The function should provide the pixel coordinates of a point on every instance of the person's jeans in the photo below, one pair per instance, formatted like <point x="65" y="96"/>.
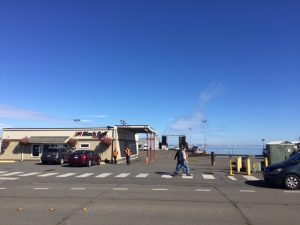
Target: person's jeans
<point x="184" y="166"/>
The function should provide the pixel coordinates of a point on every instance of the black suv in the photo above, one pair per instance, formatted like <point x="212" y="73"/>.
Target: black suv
<point x="55" y="155"/>
<point x="285" y="173"/>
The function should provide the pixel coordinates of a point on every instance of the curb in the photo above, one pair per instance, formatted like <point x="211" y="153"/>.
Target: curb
<point x="7" y="161"/>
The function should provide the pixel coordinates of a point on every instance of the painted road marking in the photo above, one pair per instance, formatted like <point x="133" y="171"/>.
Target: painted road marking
<point x="166" y="176"/>
<point x="2" y="188"/>
<point x="231" y="177"/>
<point x="40" y="188"/>
<point x="29" y="174"/>
<point x="3" y="171"/>
<point x="142" y="175"/>
<point x="203" y="190"/>
<point x="247" y="191"/>
<point x="252" y="178"/>
<point x="85" y="175"/>
<point x="11" y="174"/>
<point x="208" y="177"/>
<point x="292" y="192"/>
<point x="184" y="176"/>
<point x="47" y="174"/>
<point x="159" y="189"/>
<point x="103" y="175"/>
<point x="66" y="175"/>
<point x="122" y="175"/>
<point x="9" y="178"/>
<point x="77" y="189"/>
<point x="120" y="189"/>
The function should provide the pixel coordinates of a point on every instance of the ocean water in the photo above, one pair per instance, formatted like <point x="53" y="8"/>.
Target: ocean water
<point x="235" y="149"/>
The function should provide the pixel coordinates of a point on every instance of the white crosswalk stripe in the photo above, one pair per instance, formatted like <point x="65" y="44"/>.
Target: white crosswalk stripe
<point x="85" y="175"/>
<point x="251" y="178"/>
<point x="29" y="174"/>
<point x="184" y="176"/>
<point x="122" y="175"/>
<point x="9" y="178"/>
<point x="66" y="175"/>
<point x="142" y="175"/>
<point x="47" y="174"/>
<point x="208" y="177"/>
<point x="103" y="175"/>
<point x="3" y="172"/>
<point x="11" y="174"/>
<point x="232" y="178"/>
<point x="166" y="176"/>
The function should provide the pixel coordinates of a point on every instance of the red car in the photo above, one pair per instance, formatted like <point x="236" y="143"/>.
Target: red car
<point x="84" y="158"/>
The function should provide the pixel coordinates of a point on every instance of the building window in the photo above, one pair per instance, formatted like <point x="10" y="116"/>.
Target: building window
<point x="36" y="150"/>
<point x="85" y="145"/>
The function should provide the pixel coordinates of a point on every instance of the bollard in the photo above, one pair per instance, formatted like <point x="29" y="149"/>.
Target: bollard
<point x="248" y="167"/>
<point x="230" y="167"/>
<point x="266" y="162"/>
<point x="238" y="164"/>
<point x="212" y="157"/>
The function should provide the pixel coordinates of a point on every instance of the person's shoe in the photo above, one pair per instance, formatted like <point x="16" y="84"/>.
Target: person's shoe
<point x="175" y="174"/>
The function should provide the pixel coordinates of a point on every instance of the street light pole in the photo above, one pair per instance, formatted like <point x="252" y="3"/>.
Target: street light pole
<point x="204" y="122"/>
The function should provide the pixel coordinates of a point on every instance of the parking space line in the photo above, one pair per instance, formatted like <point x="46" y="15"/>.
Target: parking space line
<point x="103" y="175"/>
<point x="120" y="189"/>
<point x="77" y="189"/>
<point x="208" y="177"/>
<point x="11" y="174"/>
<point x="66" y="175"/>
<point x="142" y="175"/>
<point x="122" y="175"/>
<point x="85" y="175"/>
<point x="47" y="174"/>
<point x="247" y="191"/>
<point x="28" y="174"/>
<point x="203" y="190"/>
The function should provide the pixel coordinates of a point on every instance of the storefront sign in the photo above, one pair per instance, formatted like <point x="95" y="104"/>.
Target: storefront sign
<point x="95" y="134"/>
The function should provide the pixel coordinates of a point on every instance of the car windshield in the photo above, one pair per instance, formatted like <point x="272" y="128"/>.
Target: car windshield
<point x="51" y="150"/>
<point x="294" y="159"/>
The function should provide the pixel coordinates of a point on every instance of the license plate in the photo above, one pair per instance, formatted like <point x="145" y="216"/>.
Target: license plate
<point x="48" y="155"/>
<point x="75" y="157"/>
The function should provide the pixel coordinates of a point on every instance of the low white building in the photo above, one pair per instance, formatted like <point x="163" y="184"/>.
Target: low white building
<point x="29" y="143"/>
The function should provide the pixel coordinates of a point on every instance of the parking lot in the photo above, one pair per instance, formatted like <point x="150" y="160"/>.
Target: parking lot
<point x="33" y="193"/>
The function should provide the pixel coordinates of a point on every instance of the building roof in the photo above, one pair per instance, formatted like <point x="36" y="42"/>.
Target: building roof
<point x="137" y="128"/>
<point x="280" y="143"/>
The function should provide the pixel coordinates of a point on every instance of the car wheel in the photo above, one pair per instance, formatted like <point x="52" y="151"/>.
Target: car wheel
<point x="98" y="162"/>
<point x="291" y="182"/>
<point x="43" y="162"/>
<point x="70" y="165"/>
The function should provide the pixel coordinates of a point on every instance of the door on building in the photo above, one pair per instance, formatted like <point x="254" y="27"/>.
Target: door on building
<point x="36" y="150"/>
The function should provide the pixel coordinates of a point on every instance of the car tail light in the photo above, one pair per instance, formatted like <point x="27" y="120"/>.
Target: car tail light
<point x="83" y="157"/>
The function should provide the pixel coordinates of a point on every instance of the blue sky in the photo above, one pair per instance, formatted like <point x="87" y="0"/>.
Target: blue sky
<point x="166" y="63"/>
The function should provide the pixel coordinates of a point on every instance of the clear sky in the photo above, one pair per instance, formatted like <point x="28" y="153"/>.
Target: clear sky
<point x="167" y="63"/>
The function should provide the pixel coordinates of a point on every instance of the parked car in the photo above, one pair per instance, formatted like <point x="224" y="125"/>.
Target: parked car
<point x="55" y="155"/>
<point x="84" y="158"/>
<point x="286" y="173"/>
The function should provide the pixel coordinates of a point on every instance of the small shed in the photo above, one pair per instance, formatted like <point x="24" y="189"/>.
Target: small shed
<point x="278" y="151"/>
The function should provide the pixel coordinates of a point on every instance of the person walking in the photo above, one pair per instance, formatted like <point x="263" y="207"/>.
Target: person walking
<point x="182" y="162"/>
<point x="127" y="152"/>
<point x="115" y="155"/>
